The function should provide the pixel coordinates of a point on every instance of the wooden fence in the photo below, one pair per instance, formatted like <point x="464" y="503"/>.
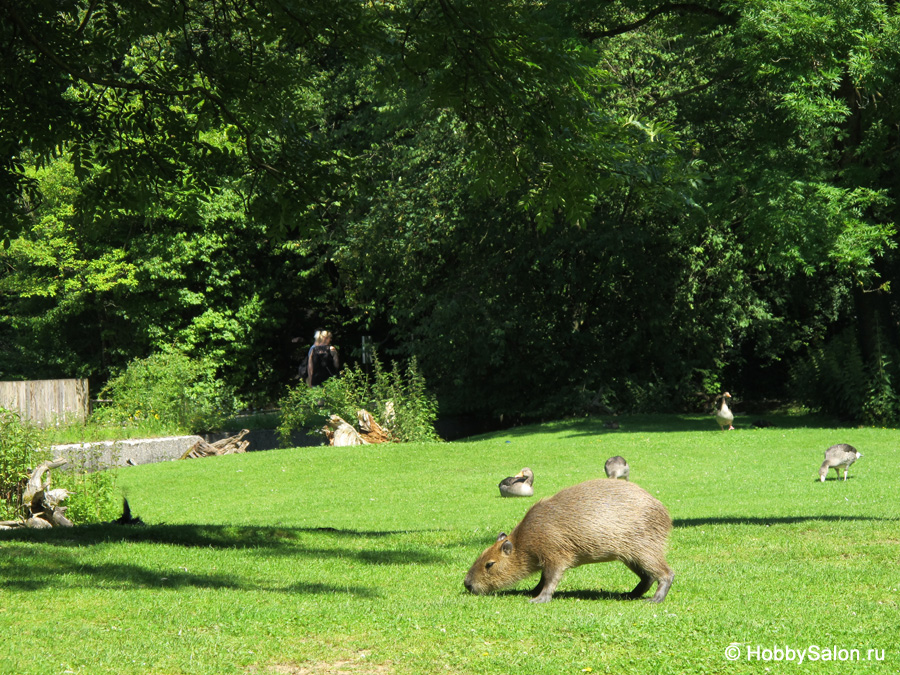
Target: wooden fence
<point x="47" y="401"/>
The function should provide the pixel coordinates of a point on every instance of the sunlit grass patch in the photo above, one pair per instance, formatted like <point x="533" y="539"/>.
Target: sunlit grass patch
<point x="353" y="559"/>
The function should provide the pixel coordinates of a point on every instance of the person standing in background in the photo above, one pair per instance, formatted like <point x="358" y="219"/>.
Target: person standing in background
<point x="322" y="361"/>
<point x="303" y="369"/>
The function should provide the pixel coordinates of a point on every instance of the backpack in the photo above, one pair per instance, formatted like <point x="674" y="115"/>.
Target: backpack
<point x="322" y="363"/>
<point x="303" y="370"/>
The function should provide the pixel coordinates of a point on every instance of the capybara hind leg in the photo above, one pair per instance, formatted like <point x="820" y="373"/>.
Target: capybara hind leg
<point x="663" y="587"/>
<point x="549" y="581"/>
<point x="536" y="591"/>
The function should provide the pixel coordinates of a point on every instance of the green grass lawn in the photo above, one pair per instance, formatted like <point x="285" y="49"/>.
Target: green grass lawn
<point x="351" y="560"/>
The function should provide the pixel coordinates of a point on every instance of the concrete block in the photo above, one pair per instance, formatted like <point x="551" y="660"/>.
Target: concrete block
<point x="104" y="454"/>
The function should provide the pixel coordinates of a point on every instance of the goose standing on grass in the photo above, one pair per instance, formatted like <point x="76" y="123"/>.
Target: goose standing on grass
<point x="724" y="416"/>
<point x="519" y="485"/>
<point x="617" y="467"/>
<point x="837" y="456"/>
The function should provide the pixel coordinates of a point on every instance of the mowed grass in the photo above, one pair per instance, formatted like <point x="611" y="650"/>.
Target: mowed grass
<point x="351" y="560"/>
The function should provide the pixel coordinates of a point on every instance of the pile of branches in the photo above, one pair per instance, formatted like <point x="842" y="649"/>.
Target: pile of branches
<point x="227" y="446"/>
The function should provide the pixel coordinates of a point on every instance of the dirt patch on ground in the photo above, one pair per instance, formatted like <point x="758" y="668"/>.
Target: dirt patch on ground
<point x="358" y="665"/>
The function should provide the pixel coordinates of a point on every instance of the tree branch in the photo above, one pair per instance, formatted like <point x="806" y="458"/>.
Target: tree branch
<point x="141" y="87"/>
<point x="87" y="16"/>
<point x="667" y="8"/>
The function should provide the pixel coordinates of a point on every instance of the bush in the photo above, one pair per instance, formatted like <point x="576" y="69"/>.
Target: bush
<point x="94" y="496"/>
<point x="170" y="389"/>
<point x="399" y="402"/>
<point x="833" y="378"/>
<point x="20" y="451"/>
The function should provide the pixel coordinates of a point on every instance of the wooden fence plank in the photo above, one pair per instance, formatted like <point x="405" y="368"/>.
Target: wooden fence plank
<point x="47" y="402"/>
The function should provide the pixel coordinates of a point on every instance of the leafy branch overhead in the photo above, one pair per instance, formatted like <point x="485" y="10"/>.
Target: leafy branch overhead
<point x="554" y="207"/>
<point x="142" y="93"/>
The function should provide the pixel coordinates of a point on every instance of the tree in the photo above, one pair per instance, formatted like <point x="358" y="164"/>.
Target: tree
<point x="548" y="204"/>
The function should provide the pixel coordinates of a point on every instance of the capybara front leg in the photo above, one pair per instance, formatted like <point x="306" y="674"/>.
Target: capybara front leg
<point x="547" y="585"/>
<point x="643" y="585"/>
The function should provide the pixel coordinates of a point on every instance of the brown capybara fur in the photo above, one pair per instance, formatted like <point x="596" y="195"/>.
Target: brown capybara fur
<point x="596" y="521"/>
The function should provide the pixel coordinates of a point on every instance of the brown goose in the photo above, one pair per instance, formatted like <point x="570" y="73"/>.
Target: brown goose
<point x="724" y="416"/>
<point x="519" y="485"/>
<point x="837" y="456"/>
<point x="616" y="467"/>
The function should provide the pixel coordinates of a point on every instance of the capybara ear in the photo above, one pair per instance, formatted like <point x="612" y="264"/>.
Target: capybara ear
<point x="501" y="536"/>
<point x="507" y="547"/>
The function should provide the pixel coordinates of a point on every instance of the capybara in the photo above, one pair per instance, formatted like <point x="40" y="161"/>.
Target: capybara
<point x="595" y="521"/>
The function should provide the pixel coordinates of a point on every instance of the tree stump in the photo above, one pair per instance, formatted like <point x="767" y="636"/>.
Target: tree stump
<point x="371" y="431"/>
<point x="341" y="434"/>
<point x="42" y="505"/>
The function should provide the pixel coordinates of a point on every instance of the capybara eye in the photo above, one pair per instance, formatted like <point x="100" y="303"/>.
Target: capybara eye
<point x="489" y="565"/>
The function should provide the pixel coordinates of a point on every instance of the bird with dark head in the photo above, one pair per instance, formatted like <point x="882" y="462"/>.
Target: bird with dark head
<point x="520" y="485"/>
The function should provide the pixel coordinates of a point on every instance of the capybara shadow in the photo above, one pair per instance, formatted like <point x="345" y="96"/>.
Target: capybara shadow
<point x="620" y="596"/>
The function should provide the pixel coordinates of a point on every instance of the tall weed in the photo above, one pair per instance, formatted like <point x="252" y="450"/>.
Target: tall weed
<point x="399" y="401"/>
<point x="21" y="450"/>
<point x="94" y="495"/>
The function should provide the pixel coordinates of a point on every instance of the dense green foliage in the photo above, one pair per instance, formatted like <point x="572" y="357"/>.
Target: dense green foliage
<point x="554" y="207"/>
<point x="20" y="451"/>
<point x="399" y="402"/>
<point x="94" y="495"/>
<point x="171" y="388"/>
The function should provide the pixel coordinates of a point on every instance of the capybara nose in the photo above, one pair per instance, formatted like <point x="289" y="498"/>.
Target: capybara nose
<point x="468" y="585"/>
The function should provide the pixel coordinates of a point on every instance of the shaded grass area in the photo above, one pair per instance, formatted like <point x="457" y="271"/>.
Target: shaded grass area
<point x="323" y="560"/>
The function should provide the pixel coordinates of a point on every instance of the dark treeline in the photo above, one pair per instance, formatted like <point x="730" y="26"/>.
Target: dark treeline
<point x="556" y="207"/>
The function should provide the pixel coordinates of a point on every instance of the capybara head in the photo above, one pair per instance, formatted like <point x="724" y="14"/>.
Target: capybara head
<point x="498" y="567"/>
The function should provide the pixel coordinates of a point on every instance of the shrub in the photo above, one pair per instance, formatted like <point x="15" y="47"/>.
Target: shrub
<point x="94" y="496"/>
<point x="399" y="402"/>
<point x="20" y="451"/>
<point x="171" y="389"/>
<point x="833" y="378"/>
